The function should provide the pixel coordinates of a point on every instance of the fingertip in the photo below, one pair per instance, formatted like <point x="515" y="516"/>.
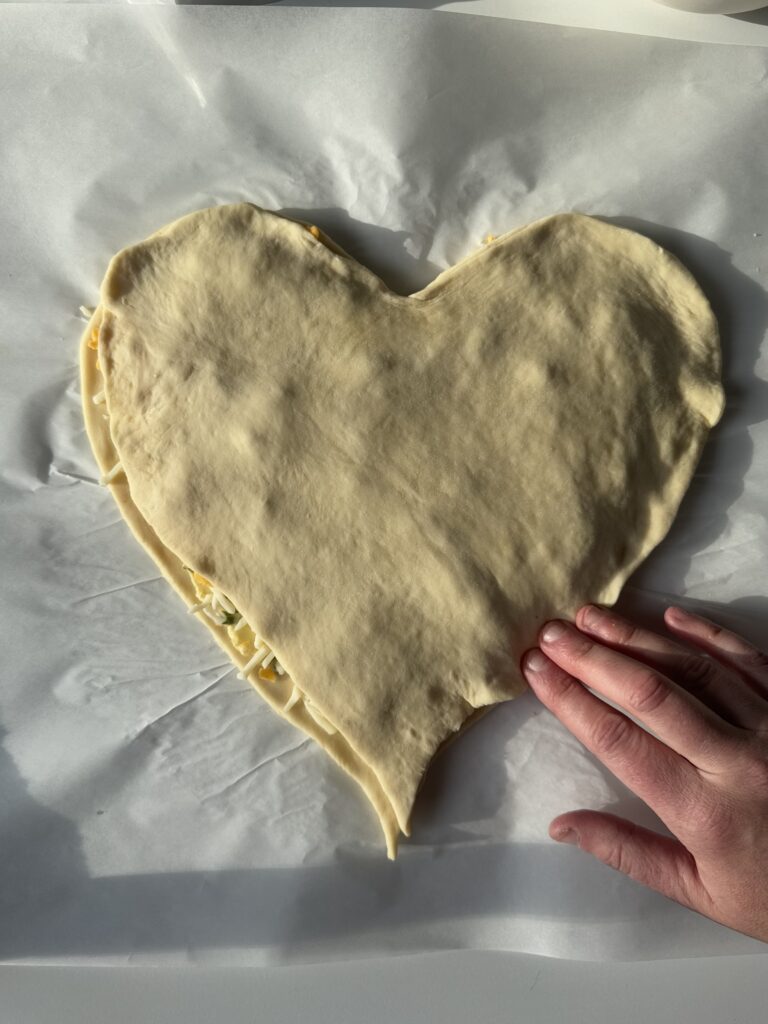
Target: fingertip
<point x="679" y="621"/>
<point x="676" y="616"/>
<point x="570" y="822"/>
<point x="563" y="833"/>
<point x="534" y="662"/>
<point x="554" y="631"/>
<point x="589" y="615"/>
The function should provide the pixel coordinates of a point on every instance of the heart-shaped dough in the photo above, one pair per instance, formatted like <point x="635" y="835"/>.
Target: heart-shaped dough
<point x="388" y="495"/>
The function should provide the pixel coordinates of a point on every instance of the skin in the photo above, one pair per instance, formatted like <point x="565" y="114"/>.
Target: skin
<point x="703" y="770"/>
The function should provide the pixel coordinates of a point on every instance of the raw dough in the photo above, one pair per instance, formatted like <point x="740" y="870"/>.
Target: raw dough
<point x="396" y="492"/>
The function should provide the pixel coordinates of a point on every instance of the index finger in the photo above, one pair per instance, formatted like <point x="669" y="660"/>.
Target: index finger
<point x="677" y="718"/>
<point x="668" y="783"/>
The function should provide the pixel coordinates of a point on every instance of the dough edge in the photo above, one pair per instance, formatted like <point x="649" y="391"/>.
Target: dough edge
<point x="171" y="567"/>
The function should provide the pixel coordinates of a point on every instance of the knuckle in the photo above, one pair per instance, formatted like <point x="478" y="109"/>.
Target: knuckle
<point x="697" y="672"/>
<point x="623" y="632"/>
<point x="754" y="771"/>
<point x="713" y="822"/>
<point x="755" y="659"/>
<point x="615" y="856"/>
<point x="612" y="732"/>
<point x="713" y="631"/>
<point x="578" y="647"/>
<point x="618" y="852"/>
<point x="649" y="692"/>
<point x="562" y="686"/>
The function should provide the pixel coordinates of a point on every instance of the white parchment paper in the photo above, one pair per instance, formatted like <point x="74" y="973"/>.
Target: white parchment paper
<point x="151" y="806"/>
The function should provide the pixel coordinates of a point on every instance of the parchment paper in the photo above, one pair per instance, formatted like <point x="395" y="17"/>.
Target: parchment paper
<point x="151" y="806"/>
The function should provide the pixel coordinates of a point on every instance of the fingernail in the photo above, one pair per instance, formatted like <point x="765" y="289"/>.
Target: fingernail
<point x="678" y="613"/>
<point x="535" y="661"/>
<point x="592" y="616"/>
<point x="553" y="631"/>
<point x="566" y="835"/>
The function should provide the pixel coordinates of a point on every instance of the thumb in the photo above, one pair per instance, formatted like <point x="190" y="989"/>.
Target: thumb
<point x="660" y="862"/>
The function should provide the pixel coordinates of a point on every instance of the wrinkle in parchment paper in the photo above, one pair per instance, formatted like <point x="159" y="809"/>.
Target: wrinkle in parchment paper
<point x="151" y="807"/>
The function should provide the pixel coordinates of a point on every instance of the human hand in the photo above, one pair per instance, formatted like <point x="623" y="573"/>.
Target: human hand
<point x="704" y="771"/>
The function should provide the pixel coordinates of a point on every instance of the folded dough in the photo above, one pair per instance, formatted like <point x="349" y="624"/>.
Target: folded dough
<point x="387" y="495"/>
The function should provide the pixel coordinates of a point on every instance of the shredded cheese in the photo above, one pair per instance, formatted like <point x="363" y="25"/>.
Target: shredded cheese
<point x="319" y="717"/>
<point x="223" y="602"/>
<point x="87" y="311"/>
<point x="294" y="699"/>
<point x="200" y="605"/>
<point x="116" y="470"/>
<point x="217" y="607"/>
<point x="261" y="651"/>
<point x="248" y="668"/>
<point x="215" y="615"/>
<point x="99" y="397"/>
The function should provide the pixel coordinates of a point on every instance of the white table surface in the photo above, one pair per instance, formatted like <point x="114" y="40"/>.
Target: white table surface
<point x="452" y="987"/>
